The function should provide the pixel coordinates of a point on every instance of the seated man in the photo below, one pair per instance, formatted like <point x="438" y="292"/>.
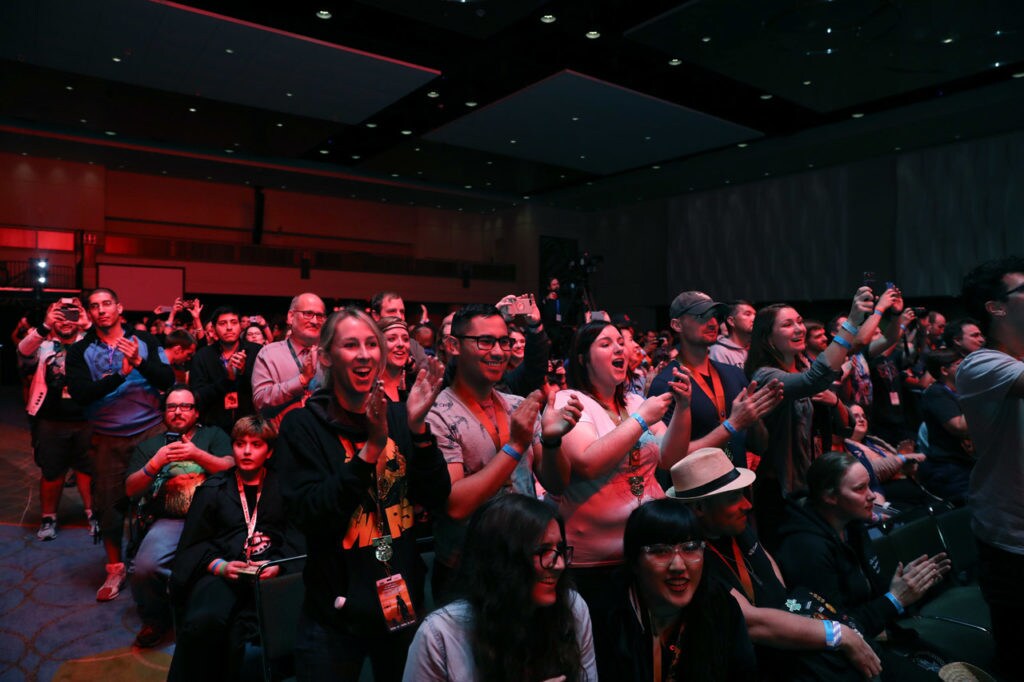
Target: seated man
<point x="236" y="523"/>
<point x="167" y="469"/>
<point x="714" y="488"/>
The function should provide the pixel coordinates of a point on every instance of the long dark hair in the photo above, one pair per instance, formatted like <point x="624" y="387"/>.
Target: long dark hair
<point x="577" y="375"/>
<point x="826" y="474"/>
<point x="510" y="640"/>
<point x="762" y="351"/>
<point x="706" y="651"/>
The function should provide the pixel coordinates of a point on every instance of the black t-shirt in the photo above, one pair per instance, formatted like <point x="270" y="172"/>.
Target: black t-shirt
<point x="887" y="384"/>
<point x="720" y="565"/>
<point x="58" y="404"/>
<point x="939" y="404"/>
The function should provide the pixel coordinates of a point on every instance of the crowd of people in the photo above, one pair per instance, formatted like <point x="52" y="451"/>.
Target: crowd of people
<point x="604" y="501"/>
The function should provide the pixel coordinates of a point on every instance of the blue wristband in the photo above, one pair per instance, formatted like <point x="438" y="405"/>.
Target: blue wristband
<point x="877" y="312"/>
<point x="511" y="452"/>
<point x="842" y="342"/>
<point x="902" y="458"/>
<point x="640" y="421"/>
<point x="895" y="602"/>
<point x="850" y="327"/>
<point x="729" y="427"/>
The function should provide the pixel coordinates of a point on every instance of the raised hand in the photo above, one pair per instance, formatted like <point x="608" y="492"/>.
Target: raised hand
<point x="556" y="423"/>
<point x="655" y="407"/>
<point x="523" y="420"/>
<point x="753" y="403"/>
<point x="912" y="581"/>
<point x="862" y="306"/>
<point x="681" y="389"/>
<point x="423" y="393"/>
<point x="376" y="421"/>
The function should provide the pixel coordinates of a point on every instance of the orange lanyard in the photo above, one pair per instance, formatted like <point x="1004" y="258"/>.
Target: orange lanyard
<point x="717" y="396"/>
<point x="741" y="572"/>
<point x="497" y="428"/>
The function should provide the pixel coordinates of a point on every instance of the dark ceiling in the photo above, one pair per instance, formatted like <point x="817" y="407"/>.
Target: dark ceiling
<point x="483" y="105"/>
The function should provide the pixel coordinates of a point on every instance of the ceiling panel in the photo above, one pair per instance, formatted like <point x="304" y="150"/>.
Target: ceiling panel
<point x="579" y="122"/>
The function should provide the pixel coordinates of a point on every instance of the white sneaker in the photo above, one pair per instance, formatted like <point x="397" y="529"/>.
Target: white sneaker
<point x="47" y="529"/>
<point x="116" y="579"/>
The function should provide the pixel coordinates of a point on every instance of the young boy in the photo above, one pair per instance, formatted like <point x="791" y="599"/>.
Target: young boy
<point x="237" y="522"/>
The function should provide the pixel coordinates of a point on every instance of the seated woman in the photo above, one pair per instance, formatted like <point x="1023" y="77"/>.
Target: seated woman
<point x="825" y="548"/>
<point x="236" y="522"/>
<point x="892" y="470"/>
<point x="668" y="623"/>
<point x="604" y="468"/>
<point x="516" y="617"/>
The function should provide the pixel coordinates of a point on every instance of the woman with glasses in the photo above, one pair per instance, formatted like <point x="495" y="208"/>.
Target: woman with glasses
<point x="604" y="468"/>
<point x="515" y="617"/>
<point x="353" y="464"/>
<point x="668" y="623"/>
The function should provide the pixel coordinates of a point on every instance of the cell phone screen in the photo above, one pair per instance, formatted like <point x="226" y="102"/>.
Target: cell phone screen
<point x="171" y="437"/>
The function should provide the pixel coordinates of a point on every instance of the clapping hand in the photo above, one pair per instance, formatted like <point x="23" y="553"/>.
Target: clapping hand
<point x="423" y="393"/>
<point x="556" y="423"/>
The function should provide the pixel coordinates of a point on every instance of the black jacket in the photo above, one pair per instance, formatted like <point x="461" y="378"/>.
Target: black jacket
<point x="846" y="574"/>
<point x="215" y="528"/>
<point x="209" y="382"/>
<point x="331" y="496"/>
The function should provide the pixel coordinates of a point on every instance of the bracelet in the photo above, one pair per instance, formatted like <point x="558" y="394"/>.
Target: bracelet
<point x="903" y="327"/>
<point x="145" y="470"/>
<point x="895" y="602"/>
<point x="878" y="312"/>
<point x="640" y="421"/>
<point x="902" y="458"/>
<point x="833" y="634"/>
<point x="850" y="327"/>
<point x="423" y="438"/>
<point x="729" y="427"/>
<point x="553" y="443"/>
<point x="511" y="452"/>
<point x="842" y="342"/>
<point x="216" y="565"/>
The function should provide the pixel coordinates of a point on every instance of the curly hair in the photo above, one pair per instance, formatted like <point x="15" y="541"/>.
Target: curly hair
<point x="984" y="283"/>
<point x="578" y="373"/>
<point x="510" y="641"/>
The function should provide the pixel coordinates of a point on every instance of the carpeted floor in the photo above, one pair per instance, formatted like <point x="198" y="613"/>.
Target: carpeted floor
<point x="51" y="626"/>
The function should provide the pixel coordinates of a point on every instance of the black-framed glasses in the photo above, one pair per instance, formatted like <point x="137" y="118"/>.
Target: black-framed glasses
<point x="663" y="553"/>
<point x="1018" y="288"/>
<point x="184" y="407"/>
<point x="487" y="342"/>
<point x="311" y="315"/>
<point x="548" y="556"/>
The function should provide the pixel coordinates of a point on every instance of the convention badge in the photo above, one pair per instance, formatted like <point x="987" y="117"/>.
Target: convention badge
<point x="894" y="398"/>
<point x="231" y="401"/>
<point x="382" y="548"/>
<point x="395" y="602"/>
<point x="558" y="317"/>
<point x="636" y="485"/>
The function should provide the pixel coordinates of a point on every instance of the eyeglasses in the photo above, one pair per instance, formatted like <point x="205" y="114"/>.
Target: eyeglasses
<point x="1019" y="287"/>
<point x="662" y="554"/>
<point x="487" y="342"/>
<point x="548" y="556"/>
<point x="308" y="315"/>
<point x="184" y="407"/>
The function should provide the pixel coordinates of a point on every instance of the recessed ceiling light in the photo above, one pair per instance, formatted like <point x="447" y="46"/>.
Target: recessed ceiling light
<point x="807" y="82"/>
<point x="728" y="182"/>
<point x="83" y="120"/>
<point x="675" y="62"/>
<point x="288" y="94"/>
<point x="192" y="109"/>
<point x="1019" y="74"/>
<point x="511" y="141"/>
<point x="471" y="104"/>
<point x="766" y="96"/>
<point x="998" y="33"/>
<point x="706" y="39"/>
<point x="575" y="118"/>
<point x="24" y="153"/>
<point x="767" y="173"/>
<point x="323" y="14"/>
<point x="548" y="19"/>
<point x="896" y="149"/>
<point x="325" y="151"/>
<point x="229" y="151"/>
<point x="69" y="87"/>
<point x="810" y="165"/>
<point x="583" y="156"/>
<point x="228" y="50"/>
<point x="433" y="94"/>
<point x="280" y="125"/>
<point x="355" y="157"/>
<point x="858" y="114"/>
<point x="655" y="167"/>
<point x="394" y="175"/>
<point x="110" y="132"/>
<point x="947" y="41"/>
<point x="742" y="145"/>
<point x="490" y="163"/>
<point x="828" y="31"/>
<point x="416" y="149"/>
<point x="371" y="125"/>
<point x="406" y="132"/>
<point x="163" y="172"/>
<point x="997" y="64"/>
<point x="593" y="35"/>
<point x="209" y="177"/>
<point x="116" y="59"/>
<point x="526" y="196"/>
<point x="468" y="186"/>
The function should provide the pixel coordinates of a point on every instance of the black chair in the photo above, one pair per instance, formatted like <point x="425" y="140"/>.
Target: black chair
<point x="278" y="605"/>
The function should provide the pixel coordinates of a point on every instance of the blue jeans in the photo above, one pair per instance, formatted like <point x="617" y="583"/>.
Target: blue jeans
<point x="323" y="654"/>
<point x="153" y="570"/>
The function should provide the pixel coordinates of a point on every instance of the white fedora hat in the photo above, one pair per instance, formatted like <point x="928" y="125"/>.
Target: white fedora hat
<point x="706" y="472"/>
